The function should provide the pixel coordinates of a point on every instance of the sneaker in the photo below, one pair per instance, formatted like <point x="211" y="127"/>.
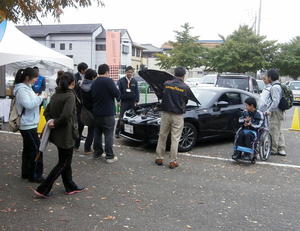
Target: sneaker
<point x="282" y="153"/>
<point x="103" y="155"/>
<point x="78" y="190"/>
<point x="159" y="162"/>
<point x="110" y="161"/>
<point x="97" y="155"/>
<point x="117" y="136"/>
<point x="173" y="164"/>
<point x="273" y="153"/>
<point x="40" y="195"/>
<point x="88" y="153"/>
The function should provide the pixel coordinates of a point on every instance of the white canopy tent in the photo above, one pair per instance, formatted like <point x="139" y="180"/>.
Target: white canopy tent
<point x="16" y="47"/>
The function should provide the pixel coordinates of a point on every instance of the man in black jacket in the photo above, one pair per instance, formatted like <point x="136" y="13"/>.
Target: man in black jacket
<point x="104" y="92"/>
<point x="79" y="77"/>
<point x="130" y="95"/>
<point x="174" y="99"/>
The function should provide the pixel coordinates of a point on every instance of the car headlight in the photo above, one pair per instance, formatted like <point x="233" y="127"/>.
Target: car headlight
<point x="154" y="121"/>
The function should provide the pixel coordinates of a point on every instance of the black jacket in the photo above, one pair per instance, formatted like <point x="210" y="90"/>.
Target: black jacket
<point x="133" y="95"/>
<point x="175" y="96"/>
<point x="256" y="117"/>
<point x="104" y="92"/>
<point x="85" y="92"/>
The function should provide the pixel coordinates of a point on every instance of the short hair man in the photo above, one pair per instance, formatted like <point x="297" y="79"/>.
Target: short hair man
<point x="130" y="95"/>
<point x="104" y="92"/>
<point x="174" y="99"/>
<point x="276" y="115"/>
<point x="40" y="84"/>
<point x="79" y="77"/>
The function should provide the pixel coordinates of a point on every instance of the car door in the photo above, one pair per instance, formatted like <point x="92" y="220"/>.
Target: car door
<point x="223" y="120"/>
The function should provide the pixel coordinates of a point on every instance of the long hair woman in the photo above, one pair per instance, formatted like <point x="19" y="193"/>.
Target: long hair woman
<point x="28" y="103"/>
<point x="62" y="112"/>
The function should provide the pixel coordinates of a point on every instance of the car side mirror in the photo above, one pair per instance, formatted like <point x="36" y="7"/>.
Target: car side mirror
<point x="221" y="104"/>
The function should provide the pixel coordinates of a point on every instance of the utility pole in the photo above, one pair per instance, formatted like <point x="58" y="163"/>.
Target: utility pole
<point x="259" y="17"/>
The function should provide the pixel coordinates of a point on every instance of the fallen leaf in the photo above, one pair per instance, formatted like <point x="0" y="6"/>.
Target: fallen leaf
<point x="110" y="218"/>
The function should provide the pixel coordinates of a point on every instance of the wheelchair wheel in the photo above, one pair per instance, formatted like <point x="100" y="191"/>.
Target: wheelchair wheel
<point x="265" y="146"/>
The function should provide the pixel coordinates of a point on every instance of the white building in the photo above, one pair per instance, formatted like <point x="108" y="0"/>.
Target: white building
<point x="82" y="42"/>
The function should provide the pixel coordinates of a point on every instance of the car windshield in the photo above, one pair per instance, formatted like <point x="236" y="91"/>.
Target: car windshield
<point x="238" y="83"/>
<point x="208" y="79"/>
<point x="192" y="80"/>
<point x="204" y="96"/>
<point x="295" y="85"/>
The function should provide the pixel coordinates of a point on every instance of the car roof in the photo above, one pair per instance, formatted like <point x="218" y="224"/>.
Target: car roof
<point x="221" y="89"/>
<point x="234" y="76"/>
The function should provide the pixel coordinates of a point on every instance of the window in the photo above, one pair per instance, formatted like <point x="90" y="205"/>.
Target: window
<point x="125" y="49"/>
<point x="52" y="45"/>
<point x="62" y="46"/>
<point x="133" y="51"/>
<point x="70" y="56"/>
<point x="138" y="53"/>
<point x="100" y="47"/>
<point x="231" y="97"/>
<point x="70" y="46"/>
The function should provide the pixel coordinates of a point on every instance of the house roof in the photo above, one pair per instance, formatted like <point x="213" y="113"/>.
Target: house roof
<point x="137" y="45"/>
<point x="149" y="48"/>
<point x="44" y="30"/>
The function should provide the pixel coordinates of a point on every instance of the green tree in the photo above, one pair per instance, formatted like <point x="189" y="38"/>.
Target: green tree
<point x="243" y="51"/>
<point x="288" y="60"/>
<point x="186" y="51"/>
<point x="15" y="10"/>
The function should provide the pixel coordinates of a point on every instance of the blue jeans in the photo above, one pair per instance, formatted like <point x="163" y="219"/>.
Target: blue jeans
<point x="31" y="168"/>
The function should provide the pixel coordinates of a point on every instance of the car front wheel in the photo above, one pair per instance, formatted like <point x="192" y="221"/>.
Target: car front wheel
<point x="188" y="137"/>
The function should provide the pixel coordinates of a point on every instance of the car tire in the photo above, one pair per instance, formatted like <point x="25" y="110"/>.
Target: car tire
<point x="188" y="138"/>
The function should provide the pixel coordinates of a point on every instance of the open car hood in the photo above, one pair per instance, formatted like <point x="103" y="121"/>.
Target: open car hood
<point x="156" y="80"/>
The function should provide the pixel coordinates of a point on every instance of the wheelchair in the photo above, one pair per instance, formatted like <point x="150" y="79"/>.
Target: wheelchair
<point x="260" y="146"/>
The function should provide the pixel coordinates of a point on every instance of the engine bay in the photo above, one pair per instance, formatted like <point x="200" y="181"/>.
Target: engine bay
<point x="144" y="111"/>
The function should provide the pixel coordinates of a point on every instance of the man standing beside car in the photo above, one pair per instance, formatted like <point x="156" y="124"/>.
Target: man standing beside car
<point x="276" y="114"/>
<point x="130" y="95"/>
<point x="104" y="92"/>
<point x="174" y="99"/>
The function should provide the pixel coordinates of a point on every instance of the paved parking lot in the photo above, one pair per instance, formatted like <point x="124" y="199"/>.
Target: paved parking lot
<point x="207" y="192"/>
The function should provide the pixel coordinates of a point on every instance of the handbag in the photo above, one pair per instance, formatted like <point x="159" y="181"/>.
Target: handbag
<point x="14" y="117"/>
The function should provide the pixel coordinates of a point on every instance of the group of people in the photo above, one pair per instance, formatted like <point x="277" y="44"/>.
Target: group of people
<point x="88" y="98"/>
<point x="253" y="117"/>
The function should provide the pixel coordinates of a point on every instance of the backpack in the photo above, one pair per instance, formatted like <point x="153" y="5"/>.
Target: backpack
<point x="287" y="99"/>
<point x="14" y="117"/>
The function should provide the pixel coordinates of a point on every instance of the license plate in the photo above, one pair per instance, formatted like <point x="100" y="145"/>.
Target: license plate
<point x="128" y="128"/>
<point x="297" y="98"/>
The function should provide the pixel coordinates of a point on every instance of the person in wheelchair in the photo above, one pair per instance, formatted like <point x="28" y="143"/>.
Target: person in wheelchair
<point x="251" y="120"/>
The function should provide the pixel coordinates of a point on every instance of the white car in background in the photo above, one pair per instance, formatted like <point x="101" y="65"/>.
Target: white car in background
<point x="193" y="82"/>
<point x="295" y="87"/>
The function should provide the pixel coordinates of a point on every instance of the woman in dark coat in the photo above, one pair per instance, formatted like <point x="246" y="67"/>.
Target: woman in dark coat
<point x="64" y="131"/>
<point x="86" y="100"/>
